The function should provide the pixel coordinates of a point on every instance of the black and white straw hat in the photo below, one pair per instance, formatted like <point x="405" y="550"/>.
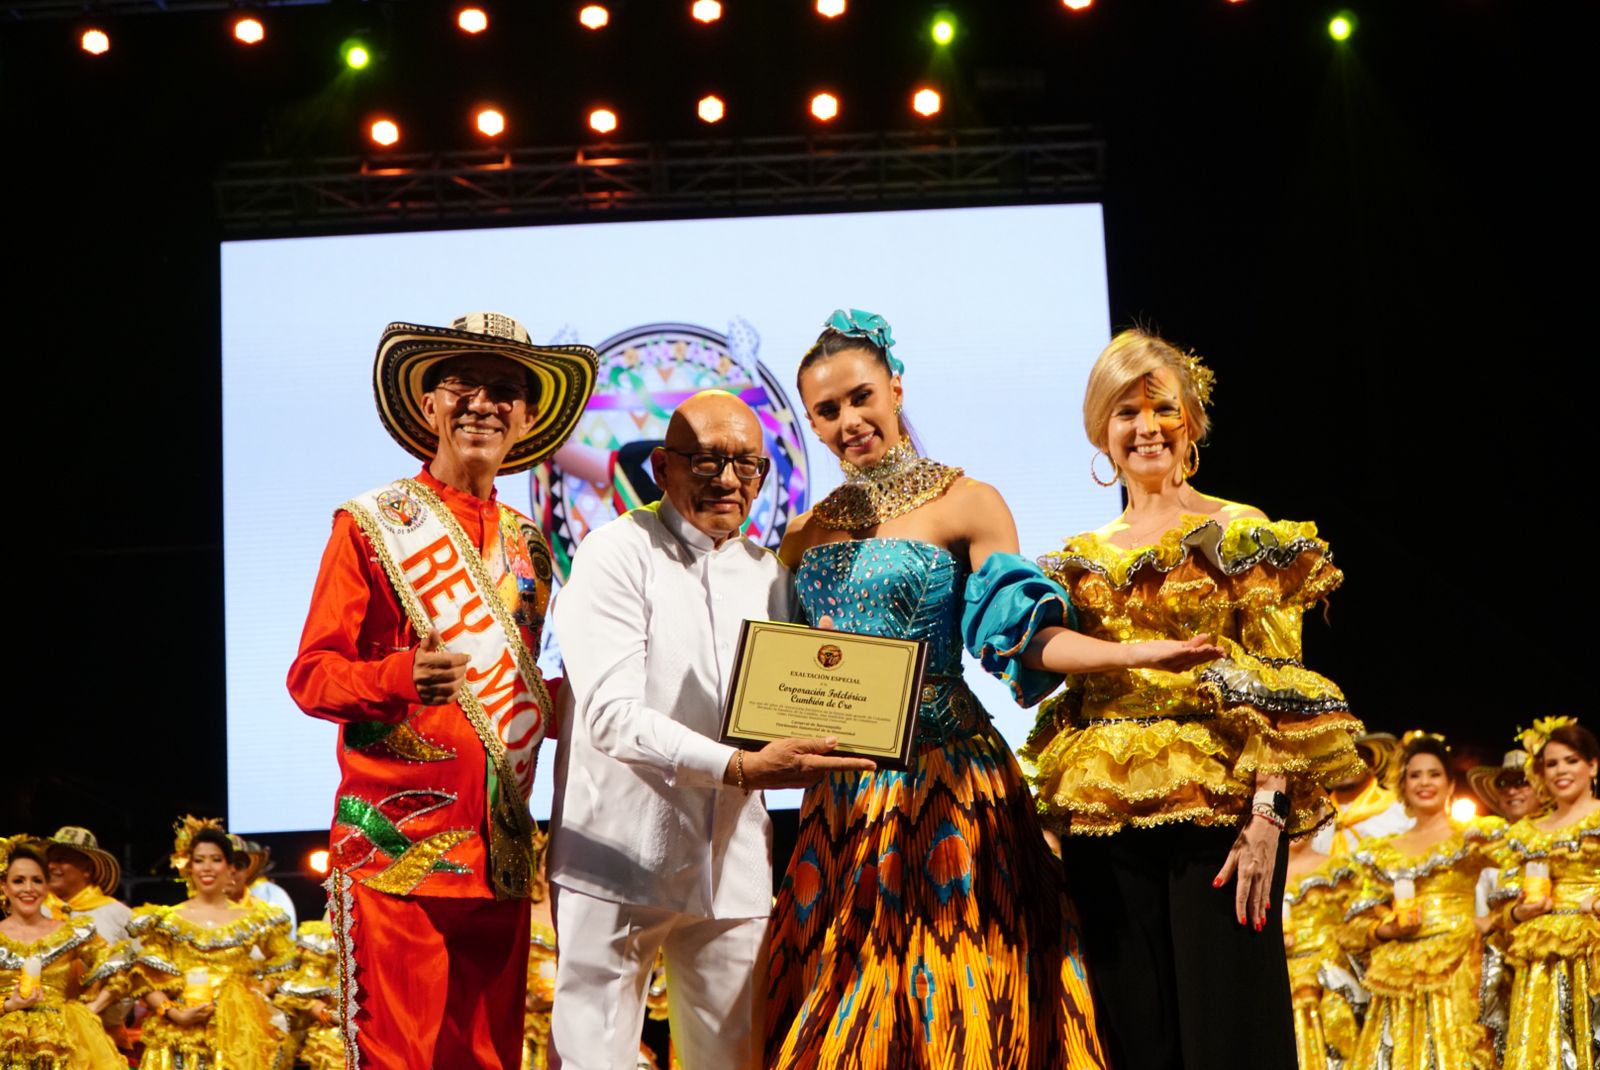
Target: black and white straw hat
<point x="563" y="378"/>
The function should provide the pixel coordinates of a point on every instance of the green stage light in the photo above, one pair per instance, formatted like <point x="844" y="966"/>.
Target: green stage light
<point x="1341" y="26"/>
<point x="356" y="55"/>
<point x="943" y="29"/>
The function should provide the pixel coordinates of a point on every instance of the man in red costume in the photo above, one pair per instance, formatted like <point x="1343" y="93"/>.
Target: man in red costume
<point x="420" y="643"/>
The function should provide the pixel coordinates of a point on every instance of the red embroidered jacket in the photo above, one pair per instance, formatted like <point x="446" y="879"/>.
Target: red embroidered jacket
<point x="411" y="812"/>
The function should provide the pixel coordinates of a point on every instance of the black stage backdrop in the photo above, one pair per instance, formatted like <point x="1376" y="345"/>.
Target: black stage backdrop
<point x="1369" y="243"/>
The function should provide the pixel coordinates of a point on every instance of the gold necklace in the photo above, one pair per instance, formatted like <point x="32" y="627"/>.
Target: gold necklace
<point x="897" y="484"/>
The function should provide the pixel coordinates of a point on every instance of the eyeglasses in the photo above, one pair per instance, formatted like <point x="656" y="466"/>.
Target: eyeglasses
<point x="499" y="392"/>
<point x="708" y="465"/>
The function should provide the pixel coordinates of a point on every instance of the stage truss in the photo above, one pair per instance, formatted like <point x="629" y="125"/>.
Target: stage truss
<point x="813" y="172"/>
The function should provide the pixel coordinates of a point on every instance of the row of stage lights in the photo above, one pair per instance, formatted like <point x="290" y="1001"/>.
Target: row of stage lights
<point x="250" y="30"/>
<point x="491" y="122"/>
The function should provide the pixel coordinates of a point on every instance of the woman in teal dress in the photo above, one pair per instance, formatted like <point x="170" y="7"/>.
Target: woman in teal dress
<point x="922" y="921"/>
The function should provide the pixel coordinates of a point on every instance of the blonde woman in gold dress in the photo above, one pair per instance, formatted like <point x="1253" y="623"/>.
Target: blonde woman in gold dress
<point x="1323" y="992"/>
<point x="1554" y="946"/>
<point x="55" y="1025"/>
<point x="207" y="966"/>
<point x="1426" y="952"/>
<point x="1175" y="789"/>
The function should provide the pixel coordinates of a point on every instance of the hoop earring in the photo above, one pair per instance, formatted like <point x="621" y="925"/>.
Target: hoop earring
<point x="1116" y="476"/>
<point x="1190" y="470"/>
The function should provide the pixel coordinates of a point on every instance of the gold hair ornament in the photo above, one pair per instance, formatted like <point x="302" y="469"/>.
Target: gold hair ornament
<point x="1201" y="378"/>
<point x="1533" y="741"/>
<point x="1417" y="733"/>
<point x="185" y="828"/>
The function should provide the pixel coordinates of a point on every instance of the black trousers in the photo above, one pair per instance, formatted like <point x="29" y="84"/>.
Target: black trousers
<point x="1179" y="983"/>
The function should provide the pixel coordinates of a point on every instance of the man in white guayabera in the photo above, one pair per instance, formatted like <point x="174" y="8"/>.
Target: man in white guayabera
<point x="661" y="839"/>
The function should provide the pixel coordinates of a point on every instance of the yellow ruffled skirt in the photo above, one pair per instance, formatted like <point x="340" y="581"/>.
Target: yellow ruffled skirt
<point x="239" y="1036"/>
<point x="1324" y="1025"/>
<point x="323" y="1048"/>
<point x="1425" y="1007"/>
<point x="1555" y="993"/>
<point x="56" y="1035"/>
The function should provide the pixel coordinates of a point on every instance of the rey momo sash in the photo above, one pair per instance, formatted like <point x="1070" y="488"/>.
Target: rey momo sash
<point x="443" y="582"/>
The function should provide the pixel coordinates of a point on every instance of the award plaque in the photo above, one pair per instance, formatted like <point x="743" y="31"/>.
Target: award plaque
<point x="790" y="680"/>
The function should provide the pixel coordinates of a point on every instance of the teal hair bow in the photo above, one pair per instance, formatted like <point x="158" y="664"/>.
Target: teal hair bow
<point x="871" y="326"/>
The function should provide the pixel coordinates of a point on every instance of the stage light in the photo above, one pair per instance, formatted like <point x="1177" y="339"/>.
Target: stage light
<point x="710" y="109"/>
<point x="490" y="122"/>
<point x="825" y="106"/>
<point x="472" y="20"/>
<point x="926" y="101"/>
<point x="95" y="42"/>
<point x="594" y="16"/>
<point x="1463" y="810"/>
<point x="249" y="31"/>
<point x="1077" y="5"/>
<point x="602" y="120"/>
<point x="830" y="9"/>
<point x="384" y="132"/>
<point x="1341" y="26"/>
<point x="943" y="29"/>
<point x="356" y="56"/>
<point x="706" y="10"/>
<point x="317" y="861"/>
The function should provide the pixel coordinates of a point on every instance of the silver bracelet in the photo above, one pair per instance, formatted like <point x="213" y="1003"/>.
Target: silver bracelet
<point x="1267" y="813"/>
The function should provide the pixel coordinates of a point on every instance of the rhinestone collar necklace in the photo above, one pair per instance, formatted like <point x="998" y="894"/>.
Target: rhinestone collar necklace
<point x="900" y="482"/>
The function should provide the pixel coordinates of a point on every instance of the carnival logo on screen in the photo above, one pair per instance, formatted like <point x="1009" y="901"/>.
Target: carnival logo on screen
<point x="645" y="373"/>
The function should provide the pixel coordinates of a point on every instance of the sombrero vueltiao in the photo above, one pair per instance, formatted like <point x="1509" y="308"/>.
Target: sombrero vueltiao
<point x="1488" y="782"/>
<point x="103" y="868"/>
<point x="562" y="375"/>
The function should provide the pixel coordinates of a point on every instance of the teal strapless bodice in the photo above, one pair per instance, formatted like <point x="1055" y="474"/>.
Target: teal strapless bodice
<point x="894" y="587"/>
<point x="908" y="590"/>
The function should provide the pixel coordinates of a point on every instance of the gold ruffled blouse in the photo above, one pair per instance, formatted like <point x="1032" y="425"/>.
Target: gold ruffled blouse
<point x="1425" y="988"/>
<point x="1142" y="747"/>
<point x="58" y="1032"/>
<point x="238" y="956"/>
<point x="1555" y="957"/>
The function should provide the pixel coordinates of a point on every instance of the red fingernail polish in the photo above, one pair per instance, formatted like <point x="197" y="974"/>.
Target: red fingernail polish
<point x="1216" y="882"/>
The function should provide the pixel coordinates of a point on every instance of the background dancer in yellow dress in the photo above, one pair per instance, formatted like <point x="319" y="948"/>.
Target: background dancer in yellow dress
<point x="309" y="995"/>
<point x="44" y="1022"/>
<point x="1167" y="786"/>
<point x="84" y="880"/>
<point x="196" y="969"/>
<point x="923" y="922"/>
<point x="1416" y="911"/>
<point x="1554" y="949"/>
<point x="1324" y="993"/>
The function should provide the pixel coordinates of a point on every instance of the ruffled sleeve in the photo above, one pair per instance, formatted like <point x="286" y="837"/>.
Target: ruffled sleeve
<point x="152" y="966"/>
<point x="1369" y="905"/>
<point x="1289" y="720"/>
<point x="1007" y="601"/>
<point x="103" y="965"/>
<point x="276" y="945"/>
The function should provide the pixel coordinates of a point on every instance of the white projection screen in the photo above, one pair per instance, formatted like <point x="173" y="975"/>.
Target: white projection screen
<point x="997" y="312"/>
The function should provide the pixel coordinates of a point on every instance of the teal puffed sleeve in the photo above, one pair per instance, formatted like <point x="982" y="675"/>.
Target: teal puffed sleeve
<point x="1007" y="601"/>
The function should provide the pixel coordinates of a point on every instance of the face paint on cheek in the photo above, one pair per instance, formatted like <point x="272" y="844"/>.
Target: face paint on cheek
<point x="1163" y="406"/>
